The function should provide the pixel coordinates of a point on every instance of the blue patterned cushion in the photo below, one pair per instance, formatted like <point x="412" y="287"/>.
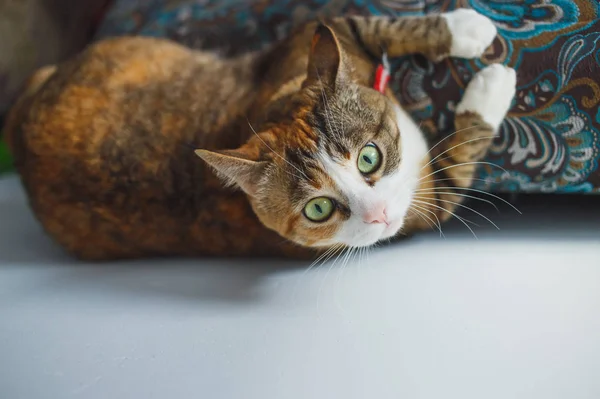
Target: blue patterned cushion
<point x="549" y="143"/>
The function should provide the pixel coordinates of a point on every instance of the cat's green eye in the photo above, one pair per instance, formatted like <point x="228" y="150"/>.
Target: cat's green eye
<point x="369" y="159"/>
<point x="319" y="209"/>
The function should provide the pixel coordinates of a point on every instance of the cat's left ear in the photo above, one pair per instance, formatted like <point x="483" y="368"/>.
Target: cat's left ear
<point x="235" y="167"/>
<point x="325" y="58"/>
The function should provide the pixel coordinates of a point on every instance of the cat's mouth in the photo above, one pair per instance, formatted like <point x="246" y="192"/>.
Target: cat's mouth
<point x="392" y="228"/>
<point x="374" y="234"/>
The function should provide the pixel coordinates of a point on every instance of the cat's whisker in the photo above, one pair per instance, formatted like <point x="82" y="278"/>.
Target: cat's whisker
<point x="316" y="261"/>
<point x="439" y="160"/>
<point x="420" y="215"/>
<point x="461" y="178"/>
<point x="359" y="268"/>
<point x="438" y="225"/>
<point x="357" y="257"/>
<point x="470" y="189"/>
<point x="344" y="261"/>
<point x="465" y="207"/>
<point x="463" y="221"/>
<point x="367" y="255"/>
<point x="465" y="164"/>
<point x="322" y="259"/>
<point x="324" y="280"/>
<point x="342" y="125"/>
<point x="453" y="147"/>
<point x="428" y="204"/>
<point x="450" y="135"/>
<point x="429" y="222"/>
<point x="361" y="253"/>
<point x="349" y="256"/>
<point x="460" y="195"/>
<point x="328" y="118"/>
<point x="325" y="256"/>
<point x="274" y="152"/>
<point x="437" y="222"/>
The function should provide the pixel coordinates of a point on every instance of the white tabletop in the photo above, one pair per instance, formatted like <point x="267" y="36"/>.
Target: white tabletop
<point x="514" y="314"/>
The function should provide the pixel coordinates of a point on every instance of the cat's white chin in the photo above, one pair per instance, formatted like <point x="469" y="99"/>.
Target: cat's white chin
<point x="374" y="234"/>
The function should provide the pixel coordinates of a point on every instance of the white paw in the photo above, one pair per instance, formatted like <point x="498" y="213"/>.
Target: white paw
<point x="490" y="94"/>
<point x="471" y="32"/>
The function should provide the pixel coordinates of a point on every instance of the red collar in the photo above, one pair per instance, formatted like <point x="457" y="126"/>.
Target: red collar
<point x="382" y="74"/>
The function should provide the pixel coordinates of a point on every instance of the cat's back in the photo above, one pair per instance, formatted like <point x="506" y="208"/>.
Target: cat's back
<point x="117" y="96"/>
<point x="96" y="136"/>
<point x="75" y="98"/>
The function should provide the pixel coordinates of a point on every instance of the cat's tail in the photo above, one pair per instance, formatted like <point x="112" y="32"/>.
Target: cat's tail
<point x="16" y="113"/>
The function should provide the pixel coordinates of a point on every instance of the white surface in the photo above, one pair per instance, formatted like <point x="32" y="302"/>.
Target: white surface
<point x="515" y="314"/>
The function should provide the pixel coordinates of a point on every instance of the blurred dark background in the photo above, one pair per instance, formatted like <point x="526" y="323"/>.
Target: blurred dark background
<point x="34" y="33"/>
<point x="38" y="32"/>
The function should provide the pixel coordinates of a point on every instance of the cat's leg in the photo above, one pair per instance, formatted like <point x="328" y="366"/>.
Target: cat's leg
<point x="450" y="171"/>
<point x="460" y="33"/>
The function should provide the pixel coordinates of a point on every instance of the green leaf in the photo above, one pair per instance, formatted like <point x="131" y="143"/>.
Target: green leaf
<point x="6" y="162"/>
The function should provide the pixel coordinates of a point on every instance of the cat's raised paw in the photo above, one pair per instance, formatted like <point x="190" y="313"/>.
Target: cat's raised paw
<point x="490" y="94"/>
<point x="472" y="33"/>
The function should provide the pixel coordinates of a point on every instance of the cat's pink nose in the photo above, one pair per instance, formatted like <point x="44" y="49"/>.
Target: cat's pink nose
<point x="376" y="214"/>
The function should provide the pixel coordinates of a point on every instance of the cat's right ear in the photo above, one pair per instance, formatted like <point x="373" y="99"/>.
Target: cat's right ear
<point x="324" y="59"/>
<point x="235" y="167"/>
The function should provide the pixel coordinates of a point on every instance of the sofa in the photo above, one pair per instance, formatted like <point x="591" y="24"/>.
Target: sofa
<point x="550" y="142"/>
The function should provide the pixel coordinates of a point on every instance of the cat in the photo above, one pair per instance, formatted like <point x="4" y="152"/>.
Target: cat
<point x="141" y="147"/>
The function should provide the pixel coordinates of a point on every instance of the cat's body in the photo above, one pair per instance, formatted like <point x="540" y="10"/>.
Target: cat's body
<point x="105" y="142"/>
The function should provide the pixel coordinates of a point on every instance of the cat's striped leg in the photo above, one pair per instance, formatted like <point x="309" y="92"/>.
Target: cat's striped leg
<point x="451" y="169"/>
<point x="460" y="33"/>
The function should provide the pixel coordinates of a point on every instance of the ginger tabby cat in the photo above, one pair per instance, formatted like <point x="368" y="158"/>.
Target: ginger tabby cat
<point x="315" y="157"/>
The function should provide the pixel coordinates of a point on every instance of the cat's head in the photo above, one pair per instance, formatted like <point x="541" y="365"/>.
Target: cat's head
<point x="340" y="168"/>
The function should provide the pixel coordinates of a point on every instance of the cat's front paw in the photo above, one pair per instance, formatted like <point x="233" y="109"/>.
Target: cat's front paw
<point x="471" y="32"/>
<point x="490" y="94"/>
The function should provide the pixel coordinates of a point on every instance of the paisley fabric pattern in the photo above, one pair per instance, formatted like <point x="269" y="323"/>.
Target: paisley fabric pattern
<point x="550" y="141"/>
